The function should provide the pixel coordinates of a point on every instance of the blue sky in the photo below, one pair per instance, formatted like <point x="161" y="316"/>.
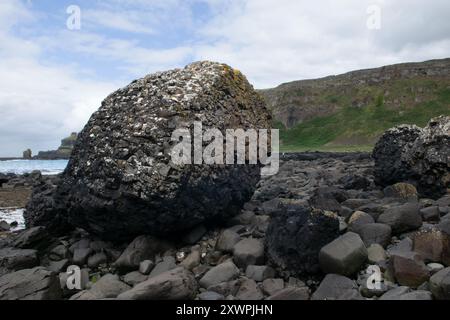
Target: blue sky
<point x="53" y="78"/>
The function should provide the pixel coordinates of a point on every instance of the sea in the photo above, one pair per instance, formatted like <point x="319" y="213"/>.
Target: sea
<point x="47" y="167"/>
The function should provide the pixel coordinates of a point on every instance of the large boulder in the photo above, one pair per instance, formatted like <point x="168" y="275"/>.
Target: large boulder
<point x="294" y="238"/>
<point x="420" y="156"/>
<point x="120" y="180"/>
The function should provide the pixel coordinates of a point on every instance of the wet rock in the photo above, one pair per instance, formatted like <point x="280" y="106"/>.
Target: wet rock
<point x="120" y="181"/>
<point x="410" y="269"/>
<point x="402" y="218"/>
<point x="248" y="251"/>
<point x="227" y="240"/>
<point x="4" y="226"/>
<point x="375" y="233"/>
<point x="291" y="293"/>
<point x="222" y="273"/>
<point x="440" y="284"/>
<point x="295" y="237"/>
<point x="343" y="256"/>
<point x="249" y="291"/>
<point x="108" y="286"/>
<point x="30" y="284"/>
<point x="337" y="287"/>
<point x="259" y="273"/>
<point x="176" y="284"/>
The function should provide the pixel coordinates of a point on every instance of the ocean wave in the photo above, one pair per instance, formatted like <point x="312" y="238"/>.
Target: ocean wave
<point x="13" y="215"/>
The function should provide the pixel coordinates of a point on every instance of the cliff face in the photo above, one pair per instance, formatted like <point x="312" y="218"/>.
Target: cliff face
<point x="398" y="91"/>
<point x="63" y="152"/>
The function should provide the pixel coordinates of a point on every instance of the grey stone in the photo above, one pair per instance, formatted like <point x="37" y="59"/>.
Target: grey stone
<point x="210" y="296"/>
<point x="417" y="295"/>
<point x="249" y="291"/>
<point x="16" y="259"/>
<point x="81" y="255"/>
<point x="227" y="240"/>
<point x="440" y="284"/>
<point x="435" y="267"/>
<point x="108" y="286"/>
<point x="430" y="213"/>
<point x="175" y="284"/>
<point x="226" y="288"/>
<point x="248" y="251"/>
<point x="30" y="284"/>
<point x="32" y="238"/>
<point x="402" y="218"/>
<point x="97" y="259"/>
<point x="345" y="255"/>
<point x="168" y="263"/>
<point x="272" y="286"/>
<point x="337" y="287"/>
<point x="375" y="233"/>
<point x="58" y="266"/>
<point x="140" y="249"/>
<point x="291" y="293"/>
<point x="134" y="277"/>
<point x="359" y="219"/>
<point x="259" y="273"/>
<point x="192" y="260"/>
<point x="4" y="226"/>
<point x="223" y="272"/>
<point x="59" y="252"/>
<point x="396" y="293"/>
<point x="376" y="254"/>
<point x="146" y="266"/>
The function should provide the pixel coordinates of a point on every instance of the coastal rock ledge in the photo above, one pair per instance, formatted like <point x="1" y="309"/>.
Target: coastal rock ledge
<point x="120" y="181"/>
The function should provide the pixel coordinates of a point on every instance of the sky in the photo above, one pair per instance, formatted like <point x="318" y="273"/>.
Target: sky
<point x="54" y="71"/>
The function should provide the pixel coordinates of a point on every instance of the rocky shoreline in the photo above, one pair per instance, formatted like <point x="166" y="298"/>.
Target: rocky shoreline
<point x="392" y="228"/>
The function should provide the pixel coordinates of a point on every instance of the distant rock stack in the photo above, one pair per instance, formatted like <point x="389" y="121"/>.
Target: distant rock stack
<point x="27" y="154"/>
<point x="120" y="181"/>
<point x="415" y="155"/>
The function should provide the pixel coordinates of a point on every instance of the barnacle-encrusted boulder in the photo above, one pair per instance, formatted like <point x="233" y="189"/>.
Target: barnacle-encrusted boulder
<point x="120" y="180"/>
<point x="419" y="156"/>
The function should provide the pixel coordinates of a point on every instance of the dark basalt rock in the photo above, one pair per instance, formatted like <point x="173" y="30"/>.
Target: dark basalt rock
<point x="120" y="181"/>
<point x="294" y="238"/>
<point x="418" y="156"/>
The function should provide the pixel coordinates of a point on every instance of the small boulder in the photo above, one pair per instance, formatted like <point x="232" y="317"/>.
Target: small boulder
<point x="337" y="287"/>
<point x="402" y="218"/>
<point x="410" y="269"/>
<point x="146" y="266"/>
<point x="108" y="286"/>
<point x="440" y="284"/>
<point x="249" y="290"/>
<point x="401" y="190"/>
<point x="248" y="251"/>
<point x="168" y="263"/>
<point x="259" y="273"/>
<point x="224" y="272"/>
<point x="376" y="254"/>
<point x="375" y="233"/>
<point x="345" y="255"/>
<point x="227" y="240"/>
<point x="16" y="259"/>
<point x="291" y="293"/>
<point x="433" y="245"/>
<point x="272" y="286"/>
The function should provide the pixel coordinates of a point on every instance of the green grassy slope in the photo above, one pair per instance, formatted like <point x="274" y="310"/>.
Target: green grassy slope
<point x="353" y="128"/>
